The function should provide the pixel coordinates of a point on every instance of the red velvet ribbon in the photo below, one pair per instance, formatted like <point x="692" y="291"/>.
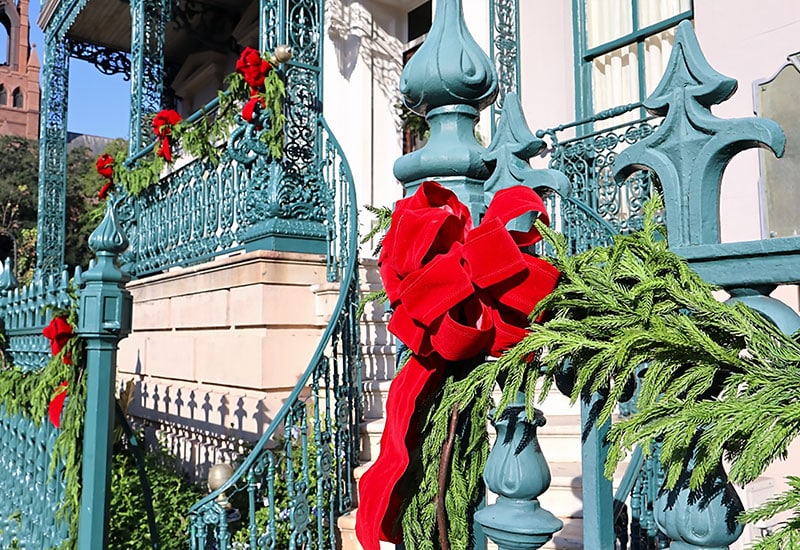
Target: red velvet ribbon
<point x="457" y="293"/>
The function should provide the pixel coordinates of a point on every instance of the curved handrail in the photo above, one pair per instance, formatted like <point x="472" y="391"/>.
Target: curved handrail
<point x="348" y="284"/>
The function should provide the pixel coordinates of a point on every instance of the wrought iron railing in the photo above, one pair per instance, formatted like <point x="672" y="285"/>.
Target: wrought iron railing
<point x="208" y="207"/>
<point x="589" y="214"/>
<point x="297" y="480"/>
<point x="26" y="311"/>
<point x="30" y="491"/>
<point x="588" y="162"/>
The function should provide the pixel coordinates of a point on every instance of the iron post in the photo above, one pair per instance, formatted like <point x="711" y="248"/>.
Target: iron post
<point x="105" y="318"/>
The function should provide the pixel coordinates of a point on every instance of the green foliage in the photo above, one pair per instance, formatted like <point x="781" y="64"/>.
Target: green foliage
<point x="19" y="175"/>
<point x="29" y="393"/>
<point x="200" y="136"/>
<point x="26" y="255"/>
<point x="465" y="480"/>
<point x="173" y="494"/>
<point x="788" y="536"/>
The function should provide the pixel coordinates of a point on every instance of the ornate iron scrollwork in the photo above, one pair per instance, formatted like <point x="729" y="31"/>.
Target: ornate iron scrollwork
<point x="107" y="60"/>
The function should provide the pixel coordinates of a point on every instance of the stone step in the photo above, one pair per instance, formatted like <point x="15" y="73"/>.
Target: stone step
<point x="375" y="394"/>
<point x="347" y="533"/>
<point x="570" y="537"/>
<point x="371" y="432"/>
<point x="563" y="499"/>
<point x="560" y="438"/>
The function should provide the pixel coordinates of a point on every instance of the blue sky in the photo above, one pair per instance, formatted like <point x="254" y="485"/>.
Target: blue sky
<point x="98" y="104"/>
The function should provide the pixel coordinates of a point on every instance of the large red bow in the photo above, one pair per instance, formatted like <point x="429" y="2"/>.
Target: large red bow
<point x="457" y="293"/>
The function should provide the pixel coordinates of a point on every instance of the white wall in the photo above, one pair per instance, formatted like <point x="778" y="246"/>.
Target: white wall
<point x="546" y="64"/>
<point x="363" y="57"/>
<point x="748" y="41"/>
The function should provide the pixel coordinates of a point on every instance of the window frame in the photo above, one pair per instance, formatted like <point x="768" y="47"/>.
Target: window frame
<point x="584" y="55"/>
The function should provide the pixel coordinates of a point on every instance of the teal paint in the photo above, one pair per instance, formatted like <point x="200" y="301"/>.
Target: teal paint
<point x="434" y="84"/>
<point x="596" y="490"/>
<point x="516" y="470"/>
<point x="319" y="419"/>
<point x="691" y="147"/>
<point x="105" y="318"/>
<point x="51" y="215"/>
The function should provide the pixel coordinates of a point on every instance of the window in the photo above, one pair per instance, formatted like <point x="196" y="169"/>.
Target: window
<point x="419" y="21"/>
<point x="622" y="49"/>
<point x="16" y="98"/>
<point x="3" y="95"/>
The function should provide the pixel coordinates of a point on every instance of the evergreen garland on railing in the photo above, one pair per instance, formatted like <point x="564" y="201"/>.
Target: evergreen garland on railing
<point x="32" y="394"/>
<point x="254" y="88"/>
<point x="722" y="381"/>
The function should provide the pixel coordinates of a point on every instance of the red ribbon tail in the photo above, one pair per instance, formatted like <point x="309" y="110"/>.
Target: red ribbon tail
<point x="56" y="406"/>
<point x="381" y="488"/>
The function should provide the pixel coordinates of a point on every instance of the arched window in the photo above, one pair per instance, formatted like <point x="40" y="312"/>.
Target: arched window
<point x="3" y="95"/>
<point x="5" y="39"/>
<point x="16" y="98"/>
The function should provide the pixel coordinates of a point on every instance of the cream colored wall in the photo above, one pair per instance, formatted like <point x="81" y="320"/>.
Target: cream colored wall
<point x="363" y="56"/>
<point x="546" y="60"/>
<point x="215" y="349"/>
<point x="747" y="43"/>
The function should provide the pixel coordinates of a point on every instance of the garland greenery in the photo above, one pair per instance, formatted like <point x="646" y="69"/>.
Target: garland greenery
<point x="200" y="137"/>
<point x="711" y="366"/>
<point x="28" y="394"/>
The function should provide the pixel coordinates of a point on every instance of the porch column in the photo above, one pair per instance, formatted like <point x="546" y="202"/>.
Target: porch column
<point x="53" y="158"/>
<point x="148" y="25"/>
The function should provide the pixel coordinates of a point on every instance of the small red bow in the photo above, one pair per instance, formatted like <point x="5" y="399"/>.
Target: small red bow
<point x="457" y="293"/>
<point x="59" y="331"/>
<point x="56" y="406"/>
<point x="105" y="167"/>
<point x="163" y="123"/>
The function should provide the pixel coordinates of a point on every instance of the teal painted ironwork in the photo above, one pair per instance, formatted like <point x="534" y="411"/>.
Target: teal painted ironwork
<point x="682" y="155"/>
<point x="148" y="25"/>
<point x="26" y="311"/>
<point x="297" y="480"/>
<point x="247" y="200"/>
<point x="504" y="51"/>
<point x="691" y="148"/>
<point x="31" y="493"/>
<point x="449" y="81"/>
<point x="517" y="472"/>
<point x="50" y="223"/>
<point x="105" y="318"/>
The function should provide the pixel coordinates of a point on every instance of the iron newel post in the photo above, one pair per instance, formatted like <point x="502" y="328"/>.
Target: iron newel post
<point x="105" y="318"/>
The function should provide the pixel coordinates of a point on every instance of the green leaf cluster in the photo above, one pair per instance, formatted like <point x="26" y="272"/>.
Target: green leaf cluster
<point x="29" y="393"/>
<point x="173" y="494"/>
<point x="199" y="136"/>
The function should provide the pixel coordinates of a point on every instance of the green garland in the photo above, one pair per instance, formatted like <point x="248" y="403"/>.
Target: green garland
<point x="199" y="138"/>
<point x="615" y="308"/>
<point x="29" y="393"/>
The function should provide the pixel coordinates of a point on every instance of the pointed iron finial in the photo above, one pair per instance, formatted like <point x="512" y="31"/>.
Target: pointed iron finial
<point x="107" y="240"/>
<point x="449" y="80"/>
<point x="691" y="147"/>
<point x="449" y="68"/>
<point x="8" y="281"/>
<point x="511" y="148"/>
<point x="108" y="236"/>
